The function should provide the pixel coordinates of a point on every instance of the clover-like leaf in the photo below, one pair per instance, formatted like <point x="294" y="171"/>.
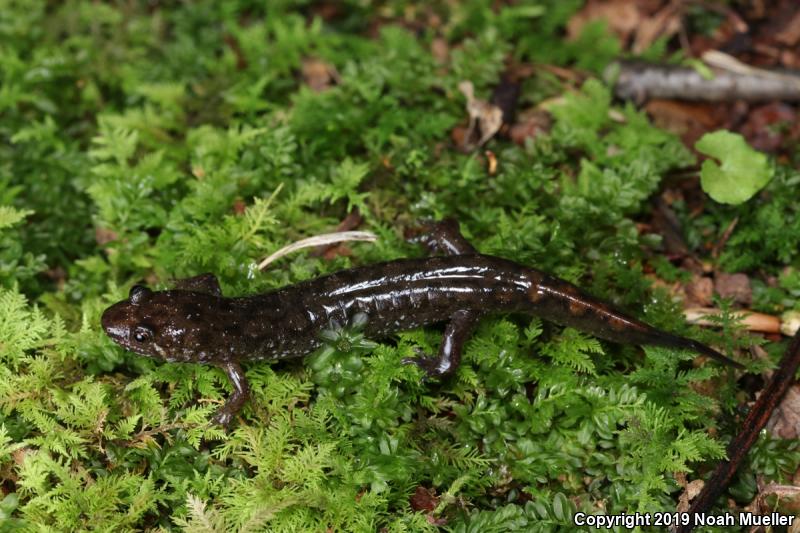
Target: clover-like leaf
<point x="740" y="173"/>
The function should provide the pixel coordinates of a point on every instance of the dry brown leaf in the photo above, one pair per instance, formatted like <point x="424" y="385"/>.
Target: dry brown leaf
<point x="788" y="498"/>
<point x="688" y="120"/>
<point x="689" y="493"/>
<point x="785" y="420"/>
<point x="665" y="23"/>
<point x="239" y="207"/>
<point x="699" y="291"/>
<point x="767" y="126"/>
<point x="103" y="236"/>
<point x="424" y="499"/>
<point x="440" y="50"/>
<point x="531" y="124"/>
<point x="622" y="16"/>
<point x="19" y="455"/>
<point x="318" y="75"/>
<point x="485" y="116"/>
<point x="459" y="136"/>
<point x="790" y="34"/>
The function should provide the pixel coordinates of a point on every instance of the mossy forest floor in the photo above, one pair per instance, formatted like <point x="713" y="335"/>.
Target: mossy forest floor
<point x="159" y="140"/>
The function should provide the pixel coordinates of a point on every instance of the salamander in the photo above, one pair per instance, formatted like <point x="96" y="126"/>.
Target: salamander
<point x="195" y="323"/>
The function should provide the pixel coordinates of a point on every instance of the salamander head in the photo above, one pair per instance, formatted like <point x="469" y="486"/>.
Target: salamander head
<point x="173" y="325"/>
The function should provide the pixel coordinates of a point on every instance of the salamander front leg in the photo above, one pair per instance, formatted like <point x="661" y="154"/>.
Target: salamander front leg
<point x="455" y="335"/>
<point x="207" y="283"/>
<point x="444" y="237"/>
<point x="241" y="392"/>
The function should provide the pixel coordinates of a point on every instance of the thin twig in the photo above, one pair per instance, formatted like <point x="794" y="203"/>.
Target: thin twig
<point x="724" y="239"/>
<point x="139" y="437"/>
<point x="641" y="82"/>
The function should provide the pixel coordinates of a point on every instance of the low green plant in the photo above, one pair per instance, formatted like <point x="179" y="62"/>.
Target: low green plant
<point x="162" y="141"/>
<point x="742" y="173"/>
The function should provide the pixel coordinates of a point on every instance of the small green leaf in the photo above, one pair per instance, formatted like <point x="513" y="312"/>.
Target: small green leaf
<point x="701" y="68"/>
<point x="742" y="173"/>
<point x="10" y="216"/>
<point x="8" y="505"/>
<point x="561" y="507"/>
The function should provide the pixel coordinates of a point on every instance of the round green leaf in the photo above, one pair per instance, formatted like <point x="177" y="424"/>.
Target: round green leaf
<point x="741" y="172"/>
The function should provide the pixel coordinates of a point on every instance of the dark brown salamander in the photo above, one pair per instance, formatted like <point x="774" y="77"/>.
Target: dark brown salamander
<point x="195" y="323"/>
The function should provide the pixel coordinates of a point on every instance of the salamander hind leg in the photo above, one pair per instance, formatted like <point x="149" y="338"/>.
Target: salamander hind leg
<point x="455" y="335"/>
<point x="443" y="237"/>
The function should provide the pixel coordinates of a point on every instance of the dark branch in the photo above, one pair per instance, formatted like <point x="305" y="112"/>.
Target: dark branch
<point x="758" y="417"/>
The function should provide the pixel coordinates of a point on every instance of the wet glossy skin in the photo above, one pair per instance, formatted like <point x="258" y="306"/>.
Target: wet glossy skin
<point x="195" y="323"/>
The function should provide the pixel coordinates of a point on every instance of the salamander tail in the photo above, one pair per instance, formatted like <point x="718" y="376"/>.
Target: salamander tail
<point x="701" y="348"/>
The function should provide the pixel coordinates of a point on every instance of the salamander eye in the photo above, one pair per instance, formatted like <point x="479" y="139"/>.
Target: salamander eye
<point x="142" y="334"/>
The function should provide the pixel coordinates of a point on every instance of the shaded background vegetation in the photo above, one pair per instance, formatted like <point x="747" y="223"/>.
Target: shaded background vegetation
<point x="160" y="140"/>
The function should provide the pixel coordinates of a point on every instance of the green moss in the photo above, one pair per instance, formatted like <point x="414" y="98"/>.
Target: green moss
<point x="155" y="142"/>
